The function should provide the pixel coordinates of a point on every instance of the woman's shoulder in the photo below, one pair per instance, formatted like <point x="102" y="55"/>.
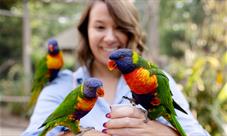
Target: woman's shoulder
<point x="66" y="81"/>
<point x="81" y="72"/>
<point x="64" y="74"/>
<point x="80" y="75"/>
<point x="61" y="85"/>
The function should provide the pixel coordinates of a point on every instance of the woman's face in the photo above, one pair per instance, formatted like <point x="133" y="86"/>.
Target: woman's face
<point x="103" y="34"/>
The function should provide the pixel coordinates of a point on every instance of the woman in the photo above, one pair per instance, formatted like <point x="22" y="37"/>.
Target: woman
<point x="105" y="26"/>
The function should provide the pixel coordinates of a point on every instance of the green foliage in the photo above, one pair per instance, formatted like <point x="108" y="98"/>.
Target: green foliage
<point x="46" y="20"/>
<point x="12" y="85"/>
<point x="51" y="19"/>
<point x="196" y="29"/>
<point x="7" y="4"/>
<point x="10" y="35"/>
<point x="172" y="37"/>
<point x="10" y="38"/>
<point x="203" y="86"/>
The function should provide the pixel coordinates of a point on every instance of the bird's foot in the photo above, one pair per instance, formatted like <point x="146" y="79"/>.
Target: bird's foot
<point x="145" y="114"/>
<point x="131" y="100"/>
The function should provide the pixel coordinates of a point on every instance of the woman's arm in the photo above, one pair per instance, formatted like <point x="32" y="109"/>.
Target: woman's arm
<point x="88" y="133"/>
<point x="51" y="96"/>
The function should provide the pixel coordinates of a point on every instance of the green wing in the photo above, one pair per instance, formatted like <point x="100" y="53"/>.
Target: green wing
<point x="141" y="62"/>
<point x="67" y="106"/>
<point x="39" y="81"/>
<point x="41" y="74"/>
<point x="164" y="94"/>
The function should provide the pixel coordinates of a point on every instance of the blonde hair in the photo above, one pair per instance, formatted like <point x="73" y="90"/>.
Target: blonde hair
<point x="125" y="15"/>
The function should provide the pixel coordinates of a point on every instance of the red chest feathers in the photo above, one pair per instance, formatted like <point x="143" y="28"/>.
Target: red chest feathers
<point x="141" y="82"/>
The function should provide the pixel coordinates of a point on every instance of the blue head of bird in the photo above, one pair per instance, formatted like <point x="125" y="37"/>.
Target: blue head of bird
<point x="93" y="88"/>
<point x="121" y="59"/>
<point x="53" y="47"/>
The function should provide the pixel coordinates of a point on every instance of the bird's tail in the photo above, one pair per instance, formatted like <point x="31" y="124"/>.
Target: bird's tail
<point x="177" y="106"/>
<point x="33" y="99"/>
<point x="177" y="125"/>
<point x="47" y="127"/>
<point x="44" y="132"/>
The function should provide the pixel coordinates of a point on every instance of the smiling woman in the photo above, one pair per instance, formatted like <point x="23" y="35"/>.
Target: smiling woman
<point x="107" y="25"/>
<point x="104" y="35"/>
<point x="112" y="22"/>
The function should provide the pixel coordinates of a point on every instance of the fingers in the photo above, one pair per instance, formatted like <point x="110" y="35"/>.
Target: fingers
<point x="88" y="133"/>
<point x="125" y="132"/>
<point x="121" y="111"/>
<point x="95" y="133"/>
<point x="124" y="122"/>
<point x="147" y="129"/>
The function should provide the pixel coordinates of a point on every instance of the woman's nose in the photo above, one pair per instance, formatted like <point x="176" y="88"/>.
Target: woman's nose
<point x="110" y="36"/>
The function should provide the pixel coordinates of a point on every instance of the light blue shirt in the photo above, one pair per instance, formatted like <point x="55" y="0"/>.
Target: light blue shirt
<point x="54" y="93"/>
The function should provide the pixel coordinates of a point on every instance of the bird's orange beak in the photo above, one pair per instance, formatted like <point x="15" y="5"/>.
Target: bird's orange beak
<point x="111" y="65"/>
<point x="51" y="48"/>
<point x="100" y="92"/>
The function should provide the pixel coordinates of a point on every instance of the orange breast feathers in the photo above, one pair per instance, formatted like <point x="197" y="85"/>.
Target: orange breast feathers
<point x="141" y="82"/>
<point x="55" y="62"/>
<point x="85" y="104"/>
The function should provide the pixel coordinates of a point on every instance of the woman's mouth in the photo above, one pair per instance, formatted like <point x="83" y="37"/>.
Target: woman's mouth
<point x="110" y="49"/>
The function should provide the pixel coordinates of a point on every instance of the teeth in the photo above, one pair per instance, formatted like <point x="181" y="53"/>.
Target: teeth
<point x="110" y="49"/>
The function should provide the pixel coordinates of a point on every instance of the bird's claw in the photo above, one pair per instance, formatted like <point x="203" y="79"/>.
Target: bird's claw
<point x="145" y="114"/>
<point x="132" y="101"/>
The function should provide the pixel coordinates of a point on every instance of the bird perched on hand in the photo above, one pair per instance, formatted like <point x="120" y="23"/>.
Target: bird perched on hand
<point x="46" y="70"/>
<point x="148" y="84"/>
<point x="76" y="105"/>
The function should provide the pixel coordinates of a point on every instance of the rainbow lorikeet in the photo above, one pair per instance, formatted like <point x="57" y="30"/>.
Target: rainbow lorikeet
<point x="148" y="84"/>
<point x="76" y="105"/>
<point x="46" y="70"/>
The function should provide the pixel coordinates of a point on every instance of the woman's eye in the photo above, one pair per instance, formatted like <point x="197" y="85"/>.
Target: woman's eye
<point x="99" y="27"/>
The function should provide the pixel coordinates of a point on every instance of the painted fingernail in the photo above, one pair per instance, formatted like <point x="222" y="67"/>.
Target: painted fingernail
<point x="104" y="124"/>
<point x="108" y="115"/>
<point x="104" y="131"/>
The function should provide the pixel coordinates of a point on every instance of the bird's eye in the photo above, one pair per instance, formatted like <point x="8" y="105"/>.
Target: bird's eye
<point x="121" y="58"/>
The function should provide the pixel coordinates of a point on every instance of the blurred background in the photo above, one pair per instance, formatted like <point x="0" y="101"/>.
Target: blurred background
<point x="187" y="38"/>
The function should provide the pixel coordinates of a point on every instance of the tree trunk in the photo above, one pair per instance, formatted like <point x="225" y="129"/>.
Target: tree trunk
<point x="152" y="27"/>
<point x="26" y="47"/>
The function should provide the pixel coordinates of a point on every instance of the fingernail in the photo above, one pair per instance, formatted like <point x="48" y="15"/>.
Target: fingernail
<point x="104" y="131"/>
<point x="108" y="115"/>
<point x="104" y="124"/>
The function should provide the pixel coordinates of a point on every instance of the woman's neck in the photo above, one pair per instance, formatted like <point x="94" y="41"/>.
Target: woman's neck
<point x="109" y="79"/>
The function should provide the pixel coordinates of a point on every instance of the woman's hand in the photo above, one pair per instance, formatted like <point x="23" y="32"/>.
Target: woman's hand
<point x="88" y="133"/>
<point x="129" y="121"/>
